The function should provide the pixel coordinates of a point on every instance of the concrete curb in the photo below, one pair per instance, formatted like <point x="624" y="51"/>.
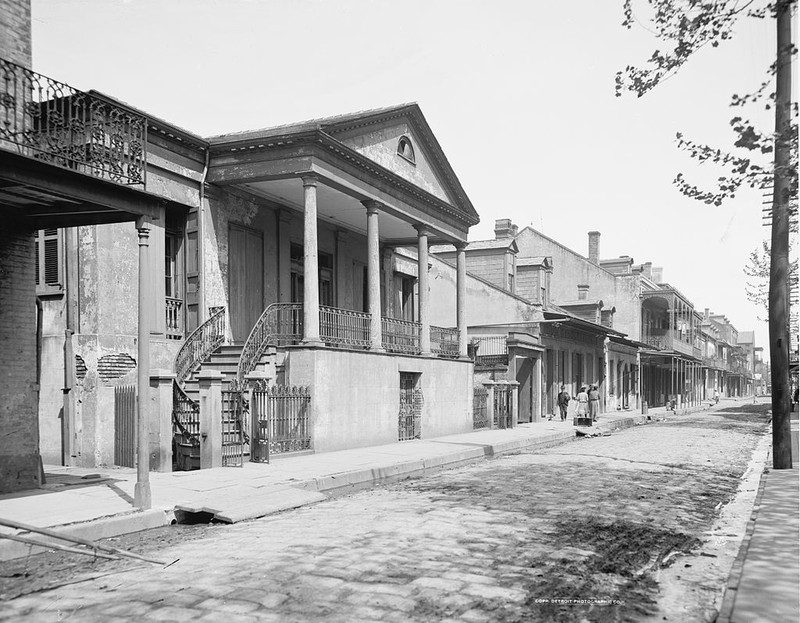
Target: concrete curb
<point x="96" y="529"/>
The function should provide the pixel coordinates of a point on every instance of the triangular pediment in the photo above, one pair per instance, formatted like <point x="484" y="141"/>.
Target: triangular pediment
<point x="380" y="135"/>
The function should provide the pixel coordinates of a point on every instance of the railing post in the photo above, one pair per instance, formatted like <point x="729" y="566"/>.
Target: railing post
<point x="489" y="387"/>
<point x="252" y="380"/>
<point x="160" y="420"/>
<point x="210" y="419"/>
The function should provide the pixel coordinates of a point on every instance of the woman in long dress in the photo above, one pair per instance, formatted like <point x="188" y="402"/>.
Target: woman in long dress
<point x="583" y="402"/>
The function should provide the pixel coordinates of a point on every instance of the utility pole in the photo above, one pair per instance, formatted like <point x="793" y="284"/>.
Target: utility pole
<point x="779" y="257"/>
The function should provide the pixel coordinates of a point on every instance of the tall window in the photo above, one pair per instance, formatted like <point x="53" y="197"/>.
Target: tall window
<point x="49" y="269"/>
<point x="325" y="272"/>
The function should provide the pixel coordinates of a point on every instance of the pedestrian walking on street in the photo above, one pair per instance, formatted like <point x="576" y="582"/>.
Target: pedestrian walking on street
<point x="563" y="401"/>
<point x="594" y="402"/>
<point x="716" y="396"/>
<point x="583" y="402"/>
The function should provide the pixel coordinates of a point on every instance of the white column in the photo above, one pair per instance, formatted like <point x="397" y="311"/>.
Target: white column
<point x="424" y="295"/>
<point x="310" y="264"/>
<point x="461" y="297"/>
<point x="374" y="275"/>
<point x="142" y="498"/>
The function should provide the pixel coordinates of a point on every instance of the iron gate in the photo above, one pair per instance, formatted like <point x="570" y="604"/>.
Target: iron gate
<point x="280" y="421"/>
<point x="503" y="406"/>
<point x="125" y="425"/>
<point x="234" y="437"/>
<point x="410" y="418"/>
<point x="480" y="417"/>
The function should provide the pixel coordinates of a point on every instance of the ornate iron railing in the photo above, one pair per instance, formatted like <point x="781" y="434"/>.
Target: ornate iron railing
<point x="186" y="429"/>
<point x="53" y="122"/>
<point x="280" y="420"/>
<point x="233" y="433"/>
<point x="444" y="342"/>
<point x="200" y="344"/>
<point x="410" y="417"/>
<point x="174" y="311"/>
<point x="344" y="327"/>
<point x="400" y="336"/>
<point x="280" y="324"/>
<point x="480" y="415"/>
<point x="490" y="350"/>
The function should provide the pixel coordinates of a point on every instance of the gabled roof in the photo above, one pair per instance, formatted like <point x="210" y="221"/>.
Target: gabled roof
<point x="542" y="260"/>
<point x="331" y="126"/>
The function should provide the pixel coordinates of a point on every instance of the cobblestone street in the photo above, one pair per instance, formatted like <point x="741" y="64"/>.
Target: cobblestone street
<point x="581" y="531"/>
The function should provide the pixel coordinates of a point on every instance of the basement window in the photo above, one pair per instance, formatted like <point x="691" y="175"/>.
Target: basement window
<point x="406" y="149"/>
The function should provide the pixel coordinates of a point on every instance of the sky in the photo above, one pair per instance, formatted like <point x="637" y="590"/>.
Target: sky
<point x="519" y="93"/>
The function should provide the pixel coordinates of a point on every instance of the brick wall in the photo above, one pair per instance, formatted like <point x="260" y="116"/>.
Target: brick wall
<point x="15" y="31"/>
<point x="19" y="443"/>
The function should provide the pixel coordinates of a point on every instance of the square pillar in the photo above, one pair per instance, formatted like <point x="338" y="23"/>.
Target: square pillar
<point x="489" y="387"/>
<point x="160" y="420"/>
<point x="210" y="418"/>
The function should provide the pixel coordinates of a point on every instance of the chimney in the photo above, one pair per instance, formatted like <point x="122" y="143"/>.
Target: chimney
<point x="504" y="228"/>
<point x="705" y="314"/>
<point x="583" y="292"/>
<point x="594" y="247"/>
<point x="658" y="274"/>
<point x="647" y="269"/>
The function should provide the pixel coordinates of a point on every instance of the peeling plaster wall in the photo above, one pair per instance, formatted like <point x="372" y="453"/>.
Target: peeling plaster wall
<point x="51" y="398"/>
<point x="380" y="145"/>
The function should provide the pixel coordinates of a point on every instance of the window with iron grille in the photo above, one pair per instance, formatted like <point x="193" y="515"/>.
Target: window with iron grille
<point x="49" y="262"/>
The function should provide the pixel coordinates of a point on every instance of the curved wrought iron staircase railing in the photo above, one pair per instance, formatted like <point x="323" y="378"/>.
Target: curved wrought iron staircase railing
<point x="200" y="343"/>
<point x="279" y="324"/>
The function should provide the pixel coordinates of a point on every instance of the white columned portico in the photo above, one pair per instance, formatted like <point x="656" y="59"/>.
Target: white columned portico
<point x="461" y="297"/>
<point x="424" y="293"/>
<point x="374" y="275"/>
<point x="142" y="498"/>
<point x="311" y="335"/>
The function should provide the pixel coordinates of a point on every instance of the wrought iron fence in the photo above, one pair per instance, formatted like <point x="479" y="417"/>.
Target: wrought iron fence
<point x="344" y="327"/>
<point x="125" y="425"/>
<point x="444" y="342"/>
<point x="280" y="420"/>
<point x="480" y="415"/>
<point x="400" y="336"/>
<point x="200" y="344"/>
<point x="280" y="324"/>
<point x="233" y="434"/>
<point x="185" y="429"/>
<point x="503" y="406"/>
<point x="53" y="122"/>
<point x="410" y="418"/>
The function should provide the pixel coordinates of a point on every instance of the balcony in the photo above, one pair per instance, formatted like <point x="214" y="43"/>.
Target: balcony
<point x="668" y="339"/>
<point x="52" y="122"/>
<point x="489" y="351"/>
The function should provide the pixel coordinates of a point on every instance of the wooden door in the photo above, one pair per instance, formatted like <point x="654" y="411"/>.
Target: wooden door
<point x="245" y="279"/>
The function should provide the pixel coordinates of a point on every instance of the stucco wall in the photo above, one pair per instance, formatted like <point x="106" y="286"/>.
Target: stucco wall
<point x="356" y="395"/>
<point x="486" y="304"/>
<point x="570" y="269"/>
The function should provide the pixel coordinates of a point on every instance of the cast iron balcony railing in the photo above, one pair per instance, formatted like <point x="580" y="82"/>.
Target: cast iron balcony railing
<point x="400" y="336"/>
<point x="668" y="339"/>
<point x="53" y="122"/>
<point x="444" y="342"/>
<point x="490" y="350"/>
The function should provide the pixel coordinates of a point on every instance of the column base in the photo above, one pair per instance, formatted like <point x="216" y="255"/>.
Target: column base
<point x="313" y="343"/>
<point x="142" y="498"/>
<point x="377" y="350"/>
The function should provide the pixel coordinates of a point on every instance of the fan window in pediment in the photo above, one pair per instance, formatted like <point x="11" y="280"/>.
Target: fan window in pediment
<point x="406" y="149"/>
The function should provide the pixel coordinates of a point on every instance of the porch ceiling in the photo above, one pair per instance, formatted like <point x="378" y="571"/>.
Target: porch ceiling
<point x="43" y="195"/>
<point x="338" y="208"/>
